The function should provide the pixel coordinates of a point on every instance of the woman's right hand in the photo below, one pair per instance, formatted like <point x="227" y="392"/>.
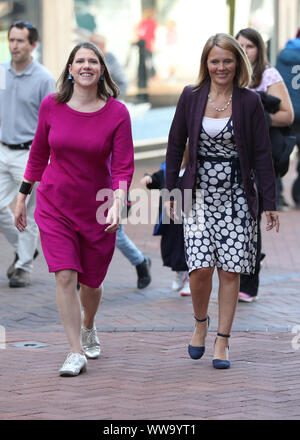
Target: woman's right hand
<point x="113" y="216"/>
<point x="21" y="213"/>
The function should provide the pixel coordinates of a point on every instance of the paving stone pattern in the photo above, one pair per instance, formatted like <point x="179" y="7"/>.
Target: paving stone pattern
<point x="144" y="371"/>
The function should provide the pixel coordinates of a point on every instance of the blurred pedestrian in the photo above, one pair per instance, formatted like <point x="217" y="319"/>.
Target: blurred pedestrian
<point x="116" y="70"/>
<point x="228" y="143"/>
<point x="265" y="79"/>
<point x="27" y="82"/>
<point x="288" y="62"/>
<point x="86" y="133"/>
<point x="141" y="262"/>
<point x="171" y="48"/>
<point x="145" y="31"/>
<point x="172" y="239"/>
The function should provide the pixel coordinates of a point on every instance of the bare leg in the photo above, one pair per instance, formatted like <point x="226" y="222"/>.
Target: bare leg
<point x="229" y="283"/>
<point x="69" y="307"/>
<point x="200" y="285"/>
<point x="90" y="300"/>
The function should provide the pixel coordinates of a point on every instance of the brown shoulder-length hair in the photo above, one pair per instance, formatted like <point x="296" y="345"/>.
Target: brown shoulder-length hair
<point x="106" y="87"/>
<point x="227" y="42"/>
<point x="261" y="61"/>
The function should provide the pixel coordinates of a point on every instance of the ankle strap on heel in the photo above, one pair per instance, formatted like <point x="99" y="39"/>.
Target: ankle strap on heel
<point x="201" y="320"/>
<point x="222" y="335"/>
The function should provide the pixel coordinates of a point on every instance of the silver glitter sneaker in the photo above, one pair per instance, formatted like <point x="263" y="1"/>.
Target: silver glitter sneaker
<point x="74" y="364"/>
<point x="90" y="342"/>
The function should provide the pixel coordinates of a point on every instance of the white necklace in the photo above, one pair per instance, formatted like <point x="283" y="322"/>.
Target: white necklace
<point x="218" y="108"/>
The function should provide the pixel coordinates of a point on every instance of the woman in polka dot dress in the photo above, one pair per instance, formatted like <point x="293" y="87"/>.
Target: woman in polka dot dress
<point x="229" y="147"/>
<point x="233" y="245"/>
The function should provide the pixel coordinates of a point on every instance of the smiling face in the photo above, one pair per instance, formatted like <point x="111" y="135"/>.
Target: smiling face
<point x="250" y="48"/>
<point x="86" y="68"/>
<point x="221" y="66"/>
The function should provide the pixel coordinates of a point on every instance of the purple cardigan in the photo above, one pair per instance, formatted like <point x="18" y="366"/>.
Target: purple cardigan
<point x="251" y="136"/>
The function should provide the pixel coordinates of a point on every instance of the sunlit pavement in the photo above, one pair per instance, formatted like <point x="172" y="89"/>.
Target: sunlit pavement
<point x="144" y="371"/>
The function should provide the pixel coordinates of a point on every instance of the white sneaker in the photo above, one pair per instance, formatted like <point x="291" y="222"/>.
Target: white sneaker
<point x="74" y="364"/>
<point x="185" y="291"/>
<point x="178" y="281"/>
<point x="90" y="342"/>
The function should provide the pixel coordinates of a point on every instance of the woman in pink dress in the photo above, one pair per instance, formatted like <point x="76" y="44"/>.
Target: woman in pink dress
<point x="86" y="134"/>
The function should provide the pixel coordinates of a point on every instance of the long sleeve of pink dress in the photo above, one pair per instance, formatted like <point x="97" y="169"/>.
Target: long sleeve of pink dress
<point x="75" y="155"/>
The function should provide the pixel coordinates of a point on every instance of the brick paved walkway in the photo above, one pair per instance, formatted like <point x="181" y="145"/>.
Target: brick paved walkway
<point x="144" y="371"/>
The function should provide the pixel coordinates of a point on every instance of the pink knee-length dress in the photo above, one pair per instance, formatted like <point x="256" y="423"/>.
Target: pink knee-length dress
<point x="88" y="152"/>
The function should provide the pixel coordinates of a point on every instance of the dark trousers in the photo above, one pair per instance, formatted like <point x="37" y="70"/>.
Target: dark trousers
<point x="249" y="283"/>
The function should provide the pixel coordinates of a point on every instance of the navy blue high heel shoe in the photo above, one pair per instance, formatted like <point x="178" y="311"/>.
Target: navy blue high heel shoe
<point x="221" y="364"/>
<point x="198" y="352"/>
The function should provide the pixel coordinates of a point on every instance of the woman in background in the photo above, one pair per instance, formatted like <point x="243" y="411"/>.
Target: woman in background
<point x="265" y="79"/>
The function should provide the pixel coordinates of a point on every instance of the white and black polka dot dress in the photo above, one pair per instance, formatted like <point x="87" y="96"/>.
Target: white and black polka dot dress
<point x="219" y="230"/>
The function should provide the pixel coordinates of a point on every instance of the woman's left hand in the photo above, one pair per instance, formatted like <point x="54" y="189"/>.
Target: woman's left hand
<point x="113" y="217"/>
<point x="272" y="220"/>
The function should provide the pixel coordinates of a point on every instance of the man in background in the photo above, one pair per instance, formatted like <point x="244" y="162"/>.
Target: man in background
<point x="26" y="84"/>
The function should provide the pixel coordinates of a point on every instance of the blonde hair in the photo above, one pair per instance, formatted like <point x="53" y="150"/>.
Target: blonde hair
<point x="227" y="42"/>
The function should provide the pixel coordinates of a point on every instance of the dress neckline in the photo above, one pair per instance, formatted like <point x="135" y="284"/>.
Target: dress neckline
<point x="95" y="113"/>
<point x="214" y="137"/>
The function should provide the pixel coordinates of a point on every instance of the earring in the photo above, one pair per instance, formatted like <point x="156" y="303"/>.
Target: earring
<point x="70" y="78"/>
<point x="100" y="80"/>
